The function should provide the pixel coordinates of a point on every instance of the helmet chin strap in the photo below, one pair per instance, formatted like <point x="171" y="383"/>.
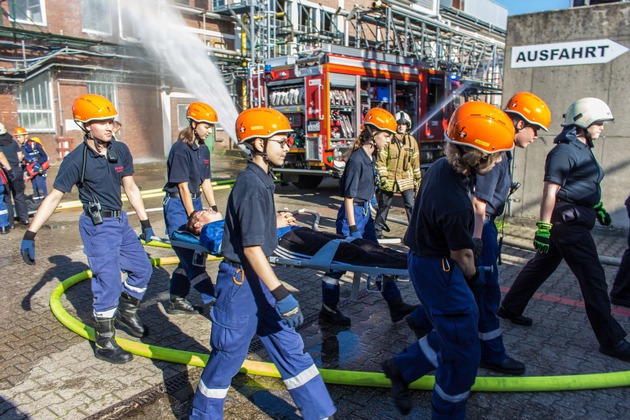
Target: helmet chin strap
<point x="589" y="139"/>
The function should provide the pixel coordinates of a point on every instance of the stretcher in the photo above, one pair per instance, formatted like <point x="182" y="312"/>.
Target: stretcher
<point x="322" y="260"/>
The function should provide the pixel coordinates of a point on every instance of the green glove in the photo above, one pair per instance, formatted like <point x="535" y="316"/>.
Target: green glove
<point x="602" y="215"/>
<point x="541" y="238"/>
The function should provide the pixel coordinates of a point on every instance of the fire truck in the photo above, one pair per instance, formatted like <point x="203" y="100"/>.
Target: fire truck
<point x="325" y="94"/>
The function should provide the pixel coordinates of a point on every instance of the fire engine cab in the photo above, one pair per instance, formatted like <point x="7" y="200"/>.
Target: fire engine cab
<point x="325" y="94"/>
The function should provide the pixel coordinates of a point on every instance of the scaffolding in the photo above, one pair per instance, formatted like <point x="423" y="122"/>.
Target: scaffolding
<point x="450" y="41"/>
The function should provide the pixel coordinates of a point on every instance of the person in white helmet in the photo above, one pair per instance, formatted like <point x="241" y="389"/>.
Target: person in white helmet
<point x="571" y="203"/>
<point x="398" y="165"/>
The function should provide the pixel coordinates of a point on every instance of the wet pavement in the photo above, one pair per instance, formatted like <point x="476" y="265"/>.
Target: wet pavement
<point x="50" y="372"/>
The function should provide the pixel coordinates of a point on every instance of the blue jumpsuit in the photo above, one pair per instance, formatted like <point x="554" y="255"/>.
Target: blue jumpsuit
<point x="358" y="182"/>
<point x="442" y="222"/>
<point x="34" y="152"/>
<point x="111" y="247"/>
<point x="245" y="307"/>
<point x="186" y="164"/>
<point x="4" y="214"/>
<point x="492" y="188"/>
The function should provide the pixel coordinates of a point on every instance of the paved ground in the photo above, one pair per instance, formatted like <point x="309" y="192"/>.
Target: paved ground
<point x="50" y="372"/>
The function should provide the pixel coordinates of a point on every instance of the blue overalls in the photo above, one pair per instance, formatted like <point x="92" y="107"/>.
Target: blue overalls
<point x="358" y="182"/>
<point x="441" y="222"/>
<point x="245" y="307"/>
<point x="112" y="247"/>
<point x="186" y="164"/>
<point x="34" y="152"/>
<point x="4" y="214"/>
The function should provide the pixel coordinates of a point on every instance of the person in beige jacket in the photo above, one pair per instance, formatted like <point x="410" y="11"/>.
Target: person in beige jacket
<point x="398" y="167"/>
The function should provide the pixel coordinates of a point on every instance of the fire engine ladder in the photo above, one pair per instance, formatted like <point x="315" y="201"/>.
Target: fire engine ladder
<point x="258" y="19"/>
<point x="456" y="46"/>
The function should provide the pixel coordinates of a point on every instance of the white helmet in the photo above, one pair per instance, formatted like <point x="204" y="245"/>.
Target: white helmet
<point x="586" y="111"/>
<point x="403" y="118"/>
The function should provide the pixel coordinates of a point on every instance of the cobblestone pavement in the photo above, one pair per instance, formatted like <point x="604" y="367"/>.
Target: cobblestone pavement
<point x="50" y="372"/>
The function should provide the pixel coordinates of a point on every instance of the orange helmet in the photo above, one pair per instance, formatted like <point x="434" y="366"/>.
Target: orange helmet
<point x="531" y="108"/>
<point x="261" y="122"/>
<point x="201" y="112"/>
<point x="87" y="108"/>
<point x="481" y="126"/>
<point x="381" y="119"/>
<point x="19" y="131"/>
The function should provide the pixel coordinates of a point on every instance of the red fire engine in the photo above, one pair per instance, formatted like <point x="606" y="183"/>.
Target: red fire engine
<point x="326" y="93"/>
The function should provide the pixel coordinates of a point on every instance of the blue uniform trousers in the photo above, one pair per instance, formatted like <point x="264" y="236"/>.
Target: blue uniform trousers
<point x="452" y="348"/>
<point x="245" y="307"/>
<point x="113" y="248"/>
<point x="365" y="225"/>
<point x="39" y="186"/>
<point x="186" y="273"/>
<point x="487" y="297"/>
<point x="4" y="213"/>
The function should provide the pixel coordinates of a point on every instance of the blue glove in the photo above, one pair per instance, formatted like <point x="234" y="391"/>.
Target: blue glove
<point x="27" y="249"/>
<point x="147" y="231"/>
<point x="37" y="168"/>
<point x="290" y="311"/>
<point x="354" y="232"/>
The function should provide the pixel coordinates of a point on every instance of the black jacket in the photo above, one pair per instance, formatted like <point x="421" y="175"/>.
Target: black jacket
<point x="10" y="148"/>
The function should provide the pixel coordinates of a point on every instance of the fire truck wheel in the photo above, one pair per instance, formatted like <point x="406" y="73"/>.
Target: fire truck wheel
<point x="308" y="181"/>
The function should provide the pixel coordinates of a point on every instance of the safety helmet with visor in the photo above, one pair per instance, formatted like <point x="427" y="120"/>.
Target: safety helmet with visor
<point x="403" y="118"/>
<point x="481" y="126"/>
<point x="263" y="123"/>
<point x="531" y="108"/>
<point x="201" y="112"/>
<point x="91" y="107"/>
<point x="586" y="111"/>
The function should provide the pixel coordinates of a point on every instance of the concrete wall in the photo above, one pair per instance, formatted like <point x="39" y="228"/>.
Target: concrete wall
<point x="561" y="85"/>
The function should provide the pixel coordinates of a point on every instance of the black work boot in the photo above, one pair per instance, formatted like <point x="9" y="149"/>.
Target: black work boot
<point x="128" y="316"/>
<point x="180" y="306"/>
<point x="400" y="388"/>
<point x="398" y="309"/>
<point x="621" y="350"/>
<point x="106" y="347"/>
<point x="333" y="316"/>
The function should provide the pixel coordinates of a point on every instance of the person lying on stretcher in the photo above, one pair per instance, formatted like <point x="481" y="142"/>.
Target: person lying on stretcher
<point x="296" y="242"/>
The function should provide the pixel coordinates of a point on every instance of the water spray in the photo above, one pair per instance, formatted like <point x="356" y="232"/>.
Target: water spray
<point x="440" y="105"/>
<point x="165" y="35"/>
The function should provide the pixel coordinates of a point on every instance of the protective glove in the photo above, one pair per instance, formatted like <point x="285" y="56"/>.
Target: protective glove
<point x="27" y="248"/>
<point x="37" y="168"/>
<point x="290" y="311"/>
<point x="541" y="238"/>
<point x="383" y="182"/>
<point x="478" y="280"/>
<point x="602" y="215"/>
<point x="11" y="175"/>
<point x="147" y="231"/>
<point x="354" y="232"/>
<point x="478" y="250"/>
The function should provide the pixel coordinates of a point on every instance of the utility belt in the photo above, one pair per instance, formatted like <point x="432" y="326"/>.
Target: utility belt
<point x="107" y="213"/>
<point x="359" y="203"/>
<point x="490" y="217"/>
<point x="176" y="195"/>
<point x="232" y="263"/>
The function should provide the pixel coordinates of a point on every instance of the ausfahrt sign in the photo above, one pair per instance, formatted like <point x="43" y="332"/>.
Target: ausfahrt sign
<point x="566" y="53"/>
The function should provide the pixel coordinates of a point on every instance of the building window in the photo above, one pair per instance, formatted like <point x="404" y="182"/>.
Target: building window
<point x="182" y="121"/>
<point x="107" y="90"/>
<point x="128" y="25"/>
<point x="35" y="105"/>
<point x="96" y="16"/>
<point x="32" y="12"/>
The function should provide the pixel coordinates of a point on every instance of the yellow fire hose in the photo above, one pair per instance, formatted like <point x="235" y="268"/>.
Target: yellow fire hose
<point x="332" y="376"/>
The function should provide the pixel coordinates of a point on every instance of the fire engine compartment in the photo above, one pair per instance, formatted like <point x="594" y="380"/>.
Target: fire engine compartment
<point x="326" y="93"/>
